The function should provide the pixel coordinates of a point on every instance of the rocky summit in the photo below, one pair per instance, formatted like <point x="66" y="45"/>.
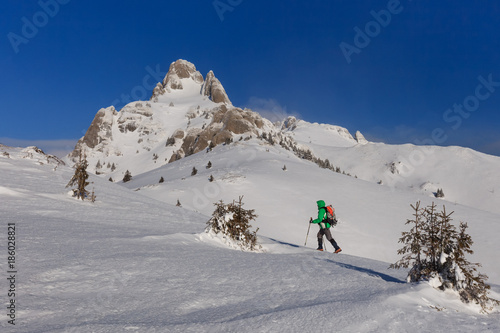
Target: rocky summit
<point x="185" y="114"/>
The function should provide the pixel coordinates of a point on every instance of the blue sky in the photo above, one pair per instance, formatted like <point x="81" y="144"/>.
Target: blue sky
<point x="398" y="71"/>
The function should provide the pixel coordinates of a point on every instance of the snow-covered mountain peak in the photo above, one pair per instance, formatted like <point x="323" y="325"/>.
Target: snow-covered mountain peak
<point x="184" y="81"/>
<point x="182" y="77"/>
<point x="185" y="115"/>
<point x="181" y="69"/>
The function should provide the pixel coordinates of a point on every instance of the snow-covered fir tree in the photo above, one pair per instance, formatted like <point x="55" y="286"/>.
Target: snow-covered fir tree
<point x="412" y="249"/>
<point x="436" y="251"/>
<point x="232" y="222"/>
<point x="80" y="178"/>
<point x="127" y="177"/>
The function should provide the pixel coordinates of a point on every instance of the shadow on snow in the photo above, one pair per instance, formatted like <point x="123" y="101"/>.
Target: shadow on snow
<point x="368" y="271"/>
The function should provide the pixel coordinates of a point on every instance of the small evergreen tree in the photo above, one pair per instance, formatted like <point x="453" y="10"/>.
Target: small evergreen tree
<point x="178" y="203"/>
<point x="431" y="231"/>
<point x="232" y="222"/>
<point x="472" y="287"/>
<point x="127" y="177"/>
<point x="92" y="196"/>
<point x="209" y="165"/>
<point x="446" y="242"/>
<point x="80" y="178"/>
<point x="194" y="171"/>
<point x="161" y="180"/>
<point x="211" y="178"/>
<point x="412" y="249"/>
<point x="444" y="249"/>
<point x="439" y="193"/>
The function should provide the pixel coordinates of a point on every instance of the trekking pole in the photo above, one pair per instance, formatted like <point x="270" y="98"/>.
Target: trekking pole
<point x="308" y="232"/>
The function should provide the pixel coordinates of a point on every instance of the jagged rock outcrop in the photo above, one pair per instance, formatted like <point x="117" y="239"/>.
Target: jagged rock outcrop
<point x="360" y="138"/>
<point x="98" y="131"/>
<point x="289" y="123"/>
<point x="131" y="118"/>
<point x="35" y="153"/>
<point x="181" y="69"/>
<point x="214" y="89"/>
<point x="226" y="122"/>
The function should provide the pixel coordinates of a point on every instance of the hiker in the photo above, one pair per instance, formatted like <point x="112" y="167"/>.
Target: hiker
<point x="324" y="227"/>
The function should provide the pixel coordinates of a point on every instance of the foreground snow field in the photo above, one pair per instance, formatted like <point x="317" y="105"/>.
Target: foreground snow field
<point x="132" y="263"/>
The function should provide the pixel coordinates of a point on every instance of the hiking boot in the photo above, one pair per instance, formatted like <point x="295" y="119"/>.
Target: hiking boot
<point x="338" y="250"/>
<point x="319" y="249"/>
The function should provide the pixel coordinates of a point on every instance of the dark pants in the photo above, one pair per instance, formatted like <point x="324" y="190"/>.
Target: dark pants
<point x="328" y="235"/>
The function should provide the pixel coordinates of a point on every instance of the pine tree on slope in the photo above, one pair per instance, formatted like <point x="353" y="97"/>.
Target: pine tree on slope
<point x="412" y="249"/>
<point x="80" y="178"/>
<point x="127" y="177"/>
<point x="233" y="221"/>
<point x="431" y="241"/>
<point x="444" y="249"/>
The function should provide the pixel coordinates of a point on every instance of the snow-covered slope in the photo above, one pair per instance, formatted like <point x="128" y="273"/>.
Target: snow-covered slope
<point x="130" y="263"/>
<point x="372" y="216"/>
<point x="465" y="176"/>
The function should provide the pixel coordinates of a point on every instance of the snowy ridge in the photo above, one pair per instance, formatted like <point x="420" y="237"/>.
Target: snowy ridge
<point x="130" y="263"/>
<point x="464" y="175"/>
<point x="32" y="153"/>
